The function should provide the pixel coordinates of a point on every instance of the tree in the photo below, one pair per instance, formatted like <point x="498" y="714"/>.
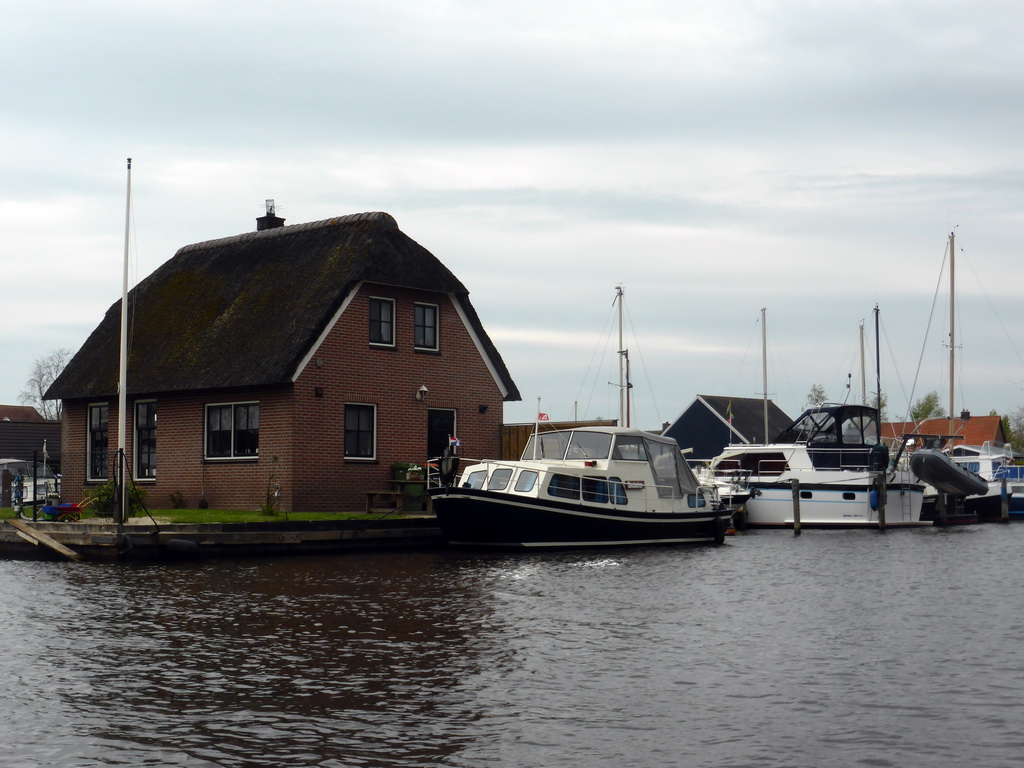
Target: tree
<point x="1015" y="421"/>
<point x="927" y="408"/>
<point x="44" y="371"/>
<point x="816" y="396"/>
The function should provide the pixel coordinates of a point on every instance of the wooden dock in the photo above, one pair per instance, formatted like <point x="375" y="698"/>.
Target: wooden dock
<point x="94" y="541"/>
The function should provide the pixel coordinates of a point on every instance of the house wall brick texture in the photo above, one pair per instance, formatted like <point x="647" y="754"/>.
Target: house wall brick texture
<point x="301" y="430"/>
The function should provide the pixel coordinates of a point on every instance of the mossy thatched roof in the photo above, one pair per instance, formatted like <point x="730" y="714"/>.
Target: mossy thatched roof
<point x="243" y="311"/>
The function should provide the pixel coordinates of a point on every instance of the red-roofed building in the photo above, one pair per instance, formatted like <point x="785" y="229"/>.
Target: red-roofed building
<point x="960" y="430"/>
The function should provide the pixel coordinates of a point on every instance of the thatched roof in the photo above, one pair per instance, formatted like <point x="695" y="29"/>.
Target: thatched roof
<point x="244" y="311"/>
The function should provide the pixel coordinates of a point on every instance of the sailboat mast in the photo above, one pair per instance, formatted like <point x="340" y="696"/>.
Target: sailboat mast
<point x="764" y="371"/>
<point x="623" y="370"/>
<point x="863" y="371"/>
<point x="952" y="324"/>
<point x="122" y="383"/>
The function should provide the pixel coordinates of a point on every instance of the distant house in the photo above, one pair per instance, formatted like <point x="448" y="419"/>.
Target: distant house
<point x="25" y="435"/>
<point x="23" y="430"/>
<point x="961" y="430"/>
<point x="299" y="361"/>
<point x="712" y="422"/>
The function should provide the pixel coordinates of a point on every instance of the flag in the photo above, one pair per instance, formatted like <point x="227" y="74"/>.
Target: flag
<point x="453" y="442"/>
<point x="543" y="417"/>
<point x="728" y="412"/>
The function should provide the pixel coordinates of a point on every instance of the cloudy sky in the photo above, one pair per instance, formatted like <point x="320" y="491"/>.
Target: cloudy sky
<point x="714" y="157"/>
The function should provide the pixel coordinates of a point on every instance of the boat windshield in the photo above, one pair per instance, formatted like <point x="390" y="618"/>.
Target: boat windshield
<point x="568" y="445"/>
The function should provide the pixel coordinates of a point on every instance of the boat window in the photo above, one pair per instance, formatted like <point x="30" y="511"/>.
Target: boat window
<point x="550" y="445"/>
<point x="665" y="469"/>
<point x="564" y="486"/>
<point x="499" y="479"/>
<point x="474" y="480"/>
<point x="617" y="491"/>
<point x="696" y="500"/>
<point x="595" y="489"/>
<point x="860" y="429"/>
<point x="526" y="481"/>
<point x="629" y="449"/>
<point x="806" y="494"/>
<point x="589" y="445"/>
<point x="848" y="496"/>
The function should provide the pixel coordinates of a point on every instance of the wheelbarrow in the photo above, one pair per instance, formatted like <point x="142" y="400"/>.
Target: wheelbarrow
<point x="63" y="513"/>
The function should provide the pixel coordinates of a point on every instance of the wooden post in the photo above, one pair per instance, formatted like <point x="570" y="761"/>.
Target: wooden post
<point x="1004" y="500"/>
<point x="796" y="506"/>
<point x="943" y="503"/>
<point x="881" y="501"/>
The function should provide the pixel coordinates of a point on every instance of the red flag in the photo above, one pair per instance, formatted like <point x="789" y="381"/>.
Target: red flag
<point x="543" y="417"/>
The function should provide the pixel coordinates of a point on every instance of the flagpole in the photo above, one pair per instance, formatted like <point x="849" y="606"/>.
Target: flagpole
<point x="536" y="428"/>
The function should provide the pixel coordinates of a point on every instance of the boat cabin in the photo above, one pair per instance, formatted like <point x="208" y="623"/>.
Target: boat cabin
<point x="601" y="466"/>
<point x="839" y="437"/>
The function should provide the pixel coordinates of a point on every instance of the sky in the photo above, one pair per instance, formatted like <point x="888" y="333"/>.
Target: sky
<point x="715" y="158"/>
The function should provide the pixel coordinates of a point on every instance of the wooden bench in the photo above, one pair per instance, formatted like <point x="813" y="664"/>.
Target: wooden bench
<point x="398" y="497"/>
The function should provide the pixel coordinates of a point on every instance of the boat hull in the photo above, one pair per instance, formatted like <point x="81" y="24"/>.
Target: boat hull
<point x="478" y="518"/>
<point x="832" y="506"/>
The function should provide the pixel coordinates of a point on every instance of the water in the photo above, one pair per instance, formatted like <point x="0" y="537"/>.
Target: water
<point x="831" y="649"/>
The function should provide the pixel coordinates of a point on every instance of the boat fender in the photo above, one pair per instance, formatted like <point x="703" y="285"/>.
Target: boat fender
<point x="720" y="525"/>
<point x="879" y="457"/>
<point x="181" y="547"/>
<point x="873" y="499"/>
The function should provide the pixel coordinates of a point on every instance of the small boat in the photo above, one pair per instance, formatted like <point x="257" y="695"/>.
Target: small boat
<point x="993" y="465"/>
<point x="945" y="475"/>
<point x="833" y="456"/>
<point x="583" y="487"/>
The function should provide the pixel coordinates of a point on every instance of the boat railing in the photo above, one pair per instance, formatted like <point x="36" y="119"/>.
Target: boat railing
<point x="599" y="493"/>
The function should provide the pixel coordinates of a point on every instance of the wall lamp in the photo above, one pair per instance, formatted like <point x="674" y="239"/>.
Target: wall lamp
<point x="422" y="392"/>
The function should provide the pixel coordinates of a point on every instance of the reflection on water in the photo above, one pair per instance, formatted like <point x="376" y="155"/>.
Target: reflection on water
<point x="834" y="649"/>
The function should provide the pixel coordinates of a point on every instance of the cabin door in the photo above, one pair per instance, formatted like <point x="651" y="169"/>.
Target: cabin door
<point x="440" y="424"/>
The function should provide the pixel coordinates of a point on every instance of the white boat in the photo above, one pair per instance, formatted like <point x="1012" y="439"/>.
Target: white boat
<point x="993" y="465"/>
<point x="832" y="460"/>
<point x="584" y="487"/>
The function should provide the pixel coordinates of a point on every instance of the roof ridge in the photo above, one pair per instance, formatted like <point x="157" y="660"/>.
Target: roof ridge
<point x="379" y="216"/>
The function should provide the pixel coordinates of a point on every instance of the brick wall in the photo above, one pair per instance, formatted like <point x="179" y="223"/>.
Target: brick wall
<point x="302" y="425"/>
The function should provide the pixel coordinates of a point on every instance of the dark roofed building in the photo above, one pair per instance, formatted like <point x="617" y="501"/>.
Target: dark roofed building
<point x="305" y="359"/>
<point x="712" y="422"/>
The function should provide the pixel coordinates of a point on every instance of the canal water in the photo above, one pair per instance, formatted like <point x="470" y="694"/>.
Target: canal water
<point x="837" y="648"/>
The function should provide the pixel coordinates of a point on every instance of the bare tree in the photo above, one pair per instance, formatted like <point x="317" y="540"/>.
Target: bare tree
<point x="44" y="371"/>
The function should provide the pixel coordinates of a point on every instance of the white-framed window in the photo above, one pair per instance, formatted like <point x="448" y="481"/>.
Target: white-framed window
<point x="98" y="426"/>
<point x="425" y="326"/>
<point x="232" y="431"/>
<point x="360" y="431"/>
<point x="382" y="321"/>
<point x="145" y="440"/>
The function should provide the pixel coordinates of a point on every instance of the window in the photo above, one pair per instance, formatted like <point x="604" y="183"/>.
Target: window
<point x="359" y="431"/>
<point x="564" y="486"/>
<point x="98" y="416"/>
<point x="145" y="441"/>
<point x="499" y="480"/>
<point x="382" y="322"/>
<point x="526" y="480"/>
<point x="233" y="431"/>
<point x="425" y="328"/>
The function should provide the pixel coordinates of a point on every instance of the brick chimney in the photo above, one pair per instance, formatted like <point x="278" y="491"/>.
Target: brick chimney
<point x="271" y="220"/>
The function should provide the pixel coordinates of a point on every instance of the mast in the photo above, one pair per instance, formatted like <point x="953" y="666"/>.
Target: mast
<point x="122" y="383"/>
<point x="764" y="371"/>
<point x="952" y="324"/>
<point x="623" y="367"/>
<point x="863" y="372"/>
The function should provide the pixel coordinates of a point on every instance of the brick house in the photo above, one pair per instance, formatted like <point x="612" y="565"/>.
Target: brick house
<point x="962" y="430"/>
<point x="306" y="359"/>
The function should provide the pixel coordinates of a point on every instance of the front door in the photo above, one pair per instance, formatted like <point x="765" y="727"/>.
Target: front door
<point x="440" y="425"/>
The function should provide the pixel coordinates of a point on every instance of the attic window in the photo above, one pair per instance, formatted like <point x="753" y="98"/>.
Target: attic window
<point x="425" y="331"/>
<point x="382" y="322"/>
